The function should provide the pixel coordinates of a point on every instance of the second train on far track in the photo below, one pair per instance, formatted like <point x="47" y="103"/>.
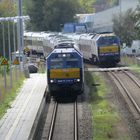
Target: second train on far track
<point x="103" y="48"/>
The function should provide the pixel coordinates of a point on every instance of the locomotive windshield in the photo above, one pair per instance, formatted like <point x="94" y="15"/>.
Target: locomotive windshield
<point x="64" y="61"/>
<point x="71" y="63"/>
<point x="108" y="40"/>
<point x="56" y="63"/>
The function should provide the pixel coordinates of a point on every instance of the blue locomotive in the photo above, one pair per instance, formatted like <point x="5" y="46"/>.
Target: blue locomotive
<point x="65" y="72"/>
<point x="100" y="48"/>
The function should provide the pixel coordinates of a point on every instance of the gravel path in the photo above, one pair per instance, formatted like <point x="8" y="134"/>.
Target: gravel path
<point x="85" y="117"/>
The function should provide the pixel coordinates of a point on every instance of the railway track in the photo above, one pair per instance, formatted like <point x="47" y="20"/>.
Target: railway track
<point x="129" y="87"/>
<point x="61" y="121"/>
<point x="53" y="121"/>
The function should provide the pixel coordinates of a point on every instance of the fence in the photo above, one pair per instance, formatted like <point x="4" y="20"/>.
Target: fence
<point x="10" y="70"/>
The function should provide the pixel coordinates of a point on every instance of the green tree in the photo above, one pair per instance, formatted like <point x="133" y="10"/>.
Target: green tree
<point x="7" y="9"/>
<point x="58" y="12"/>
<point x="35" y="9"/>
<point x="24" y="6"/>
<point x="127" y="26"/>
<point x="50" y="14"/>
<point x="87" y="6"/>
<point x="137" y="23"/>
<point x="108" y="2"/>
<point x="124" y="26"/>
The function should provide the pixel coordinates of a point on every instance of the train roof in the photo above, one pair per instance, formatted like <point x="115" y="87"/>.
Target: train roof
<point x="95" y="36"/>
<point x="65" y="50"/>
<point x="34" y="36"/>
<point x="65" y="45"/>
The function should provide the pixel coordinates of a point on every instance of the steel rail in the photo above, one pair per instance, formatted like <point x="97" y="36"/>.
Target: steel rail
<point x="53" y="121"/>
<point x="132" y="78"/>
<point x="75" y="121"/>
<point x="127" y="92"/>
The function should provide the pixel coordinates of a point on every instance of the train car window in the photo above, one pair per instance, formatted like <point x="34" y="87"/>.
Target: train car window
<point x="56" y="63"/>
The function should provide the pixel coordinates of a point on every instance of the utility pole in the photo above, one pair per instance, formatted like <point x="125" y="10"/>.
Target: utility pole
<point x="20" y="31"/>
<point x="23" y="66"/>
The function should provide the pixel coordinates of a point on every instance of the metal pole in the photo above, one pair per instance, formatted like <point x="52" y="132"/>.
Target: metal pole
<point x="20" y="29"/>
<point x="3" y="34"/>
<point x="9" y="47"/>
<point x="31" y="50"/>
<point x="14" y="38"/>
<point x="14" y="43"/>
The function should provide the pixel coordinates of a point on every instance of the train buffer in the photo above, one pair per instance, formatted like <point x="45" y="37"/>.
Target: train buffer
<point x="21" y="119"/>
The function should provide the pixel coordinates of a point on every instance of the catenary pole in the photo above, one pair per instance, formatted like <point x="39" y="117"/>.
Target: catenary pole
<point x="20" y="31"/>
<point x="9" y="48"/>
<point x="14" y="43"/>
<point x="4" y="55"/>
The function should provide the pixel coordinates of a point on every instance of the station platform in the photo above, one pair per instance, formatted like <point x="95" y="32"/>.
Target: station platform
<point x="20" y="120"/>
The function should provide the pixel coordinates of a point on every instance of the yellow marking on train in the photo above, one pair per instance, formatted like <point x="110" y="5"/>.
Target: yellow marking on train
<point x="109" y="49"/>
<point x="65" y="73"/>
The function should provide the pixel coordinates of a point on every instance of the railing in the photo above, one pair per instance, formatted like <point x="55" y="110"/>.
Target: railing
<point x="10" y="70"/>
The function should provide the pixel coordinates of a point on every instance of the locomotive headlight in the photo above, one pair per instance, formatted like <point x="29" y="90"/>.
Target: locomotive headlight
<point x="78" y="80"/>
<point x="51" y="81"/>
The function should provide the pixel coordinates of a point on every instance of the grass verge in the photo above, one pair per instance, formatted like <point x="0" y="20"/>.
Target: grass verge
<point x="135" y="68"/>
<point x="103" y="116"/>
<point x="9" y="95"/>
